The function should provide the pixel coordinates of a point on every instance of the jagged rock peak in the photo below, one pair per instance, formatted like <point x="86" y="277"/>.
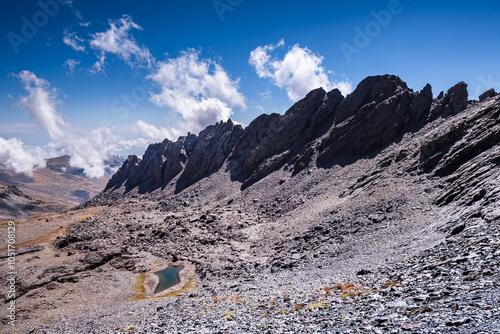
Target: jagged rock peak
<point x="191" y="157"/>
<point x="487" y="94"/>
<point x="374" y="89"/>
<point x="454" y="101"/>
<point x="270" y="141"/>
<point x="213" y="146"/>
<point x="128" y="168"/>
<point x="374" y="115"/>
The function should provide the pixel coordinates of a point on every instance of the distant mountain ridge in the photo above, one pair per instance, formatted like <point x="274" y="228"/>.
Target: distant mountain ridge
<point x="315" y="131"/>
<point x="62" y="164"/>
<point x="14" y="204"/>
<point x="60" y="182"/>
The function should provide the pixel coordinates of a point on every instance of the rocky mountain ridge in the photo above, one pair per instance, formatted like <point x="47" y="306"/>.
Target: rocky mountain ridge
<point x="313" y="132"/>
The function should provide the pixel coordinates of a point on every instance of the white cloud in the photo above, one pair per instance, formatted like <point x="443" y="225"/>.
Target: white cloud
<point x="260" y="59"/>
<point x="138" y="142"/>
<point x="71" y="39"/>
<point x="75" y="11"/>
<point x="71" y="64"/>
<point x="88" y="148"/>
<point x="118" y="41"/>
<point x="266" y="96"/>
<point x="153" y="133"/>
<point x="41" y="104"/>
<point x="15" y="155"/>
<point x="199" y="90"/>
<point x="299" y="72"/>
<point x="98" y="66"/>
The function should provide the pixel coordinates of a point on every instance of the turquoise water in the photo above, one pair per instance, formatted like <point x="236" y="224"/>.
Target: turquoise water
<point x="168" y="277"/>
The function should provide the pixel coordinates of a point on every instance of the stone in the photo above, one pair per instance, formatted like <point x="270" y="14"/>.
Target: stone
<point x="487" y="94"/>
<point x="363" y="272"/>
<point x="457" y="229"/>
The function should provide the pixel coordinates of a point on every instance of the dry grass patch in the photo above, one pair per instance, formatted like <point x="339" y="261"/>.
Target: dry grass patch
<point x="85" y="216"/>
<point x="139" y="288"/>
<point x="351" y="290"/>
<point x="315" y="306"/>
<point x="228" y="315"/>
<point x="327" y="289"/>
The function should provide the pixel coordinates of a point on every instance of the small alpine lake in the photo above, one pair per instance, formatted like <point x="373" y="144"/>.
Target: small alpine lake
<point x="168" y="277"/>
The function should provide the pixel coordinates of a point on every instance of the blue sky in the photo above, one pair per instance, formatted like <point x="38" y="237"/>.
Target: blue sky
<point x="94" y="78"/>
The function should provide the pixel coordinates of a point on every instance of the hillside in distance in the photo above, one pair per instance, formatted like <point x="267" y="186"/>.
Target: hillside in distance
<point x="59" y="182"/>
<point x="15" y="205"/>
<point x="378" y="211"/>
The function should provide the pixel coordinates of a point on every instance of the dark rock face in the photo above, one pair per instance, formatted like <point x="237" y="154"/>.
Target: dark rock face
<point x="421" y="105"/>
<point x="380" y="110"/>
<point x="369" y="118"/>
<point x="369" y="93"/>
<point x="161" y="163"/>
<point x="194" y="156"/>
<point x="486" y="95"/>
<point x="272" y="140"/>
<point x="467" y="154"/>
<point x="454" y="101"/>
<point x="128" y="168"/>
<point x="447" y="148"/>
<point x="212" y="147"/>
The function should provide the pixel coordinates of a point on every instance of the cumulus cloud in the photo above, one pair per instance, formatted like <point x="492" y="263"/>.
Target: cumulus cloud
<point x="71" y="65"/>
<point x="41" y="104"/>
<point x="197" y="89"/>
<point x="15" y="155"/>
<point x="152" y="133"/>
<point x="298" y="72"/>
<point x="88" y="148"/>
<point x="118" y="41"/>
<point x="71" y="39"/>
<point x="137" y="142"/>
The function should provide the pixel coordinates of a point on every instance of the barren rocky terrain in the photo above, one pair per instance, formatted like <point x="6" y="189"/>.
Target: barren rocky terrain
<point x="377" y="212"/>
<point x="14" y="204"/>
